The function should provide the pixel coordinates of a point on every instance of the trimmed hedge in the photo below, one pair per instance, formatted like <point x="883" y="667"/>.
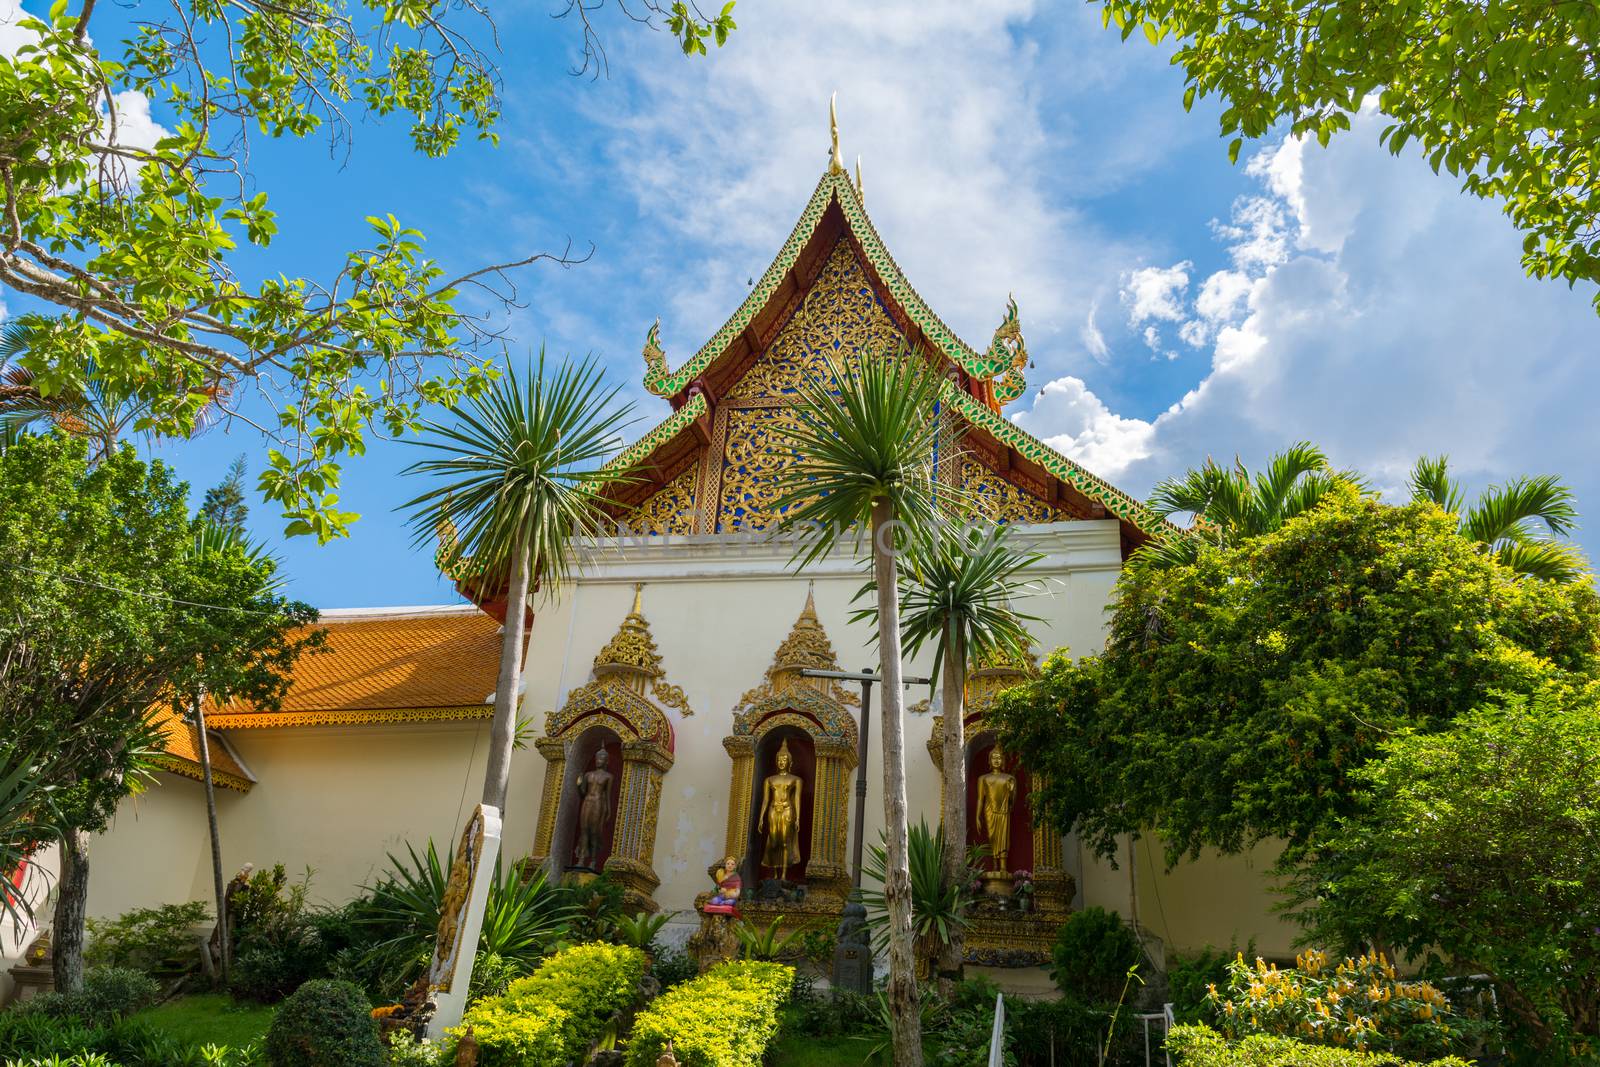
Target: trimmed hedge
<point x="724" y="1018"/>
<point x="1201" y="1046"/>
<point x="552" y="1016"/>
<point x="324" y="1023"/>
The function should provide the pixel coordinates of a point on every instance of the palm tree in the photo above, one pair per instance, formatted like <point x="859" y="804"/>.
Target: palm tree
<point x="521" y="472"/>
<point x="865" y="446"/>
<point x="958" y="599"/>
<point x="1231" y="505"/>
<point x="1503" y="519"/>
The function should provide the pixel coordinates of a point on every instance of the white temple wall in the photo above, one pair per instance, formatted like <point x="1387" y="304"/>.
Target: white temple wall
<point x="155" y="850"/>
<point x="337" y="799"/>
<point x="718" y="612"/>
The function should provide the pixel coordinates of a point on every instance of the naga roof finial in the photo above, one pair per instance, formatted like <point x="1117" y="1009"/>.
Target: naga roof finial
<point x="861" y="190"/>
<point x="655" y="359"/>
<point x="836" y="163"/>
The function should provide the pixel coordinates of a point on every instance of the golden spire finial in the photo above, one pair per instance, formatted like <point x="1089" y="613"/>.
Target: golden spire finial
<point x="811" y="601"/>
<point x="861" y="190"/>
<point x="836" y="163"/>
<point x="638" y="598"/>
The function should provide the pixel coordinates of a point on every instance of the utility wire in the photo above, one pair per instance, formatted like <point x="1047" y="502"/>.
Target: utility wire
<point x="140" y="593"/>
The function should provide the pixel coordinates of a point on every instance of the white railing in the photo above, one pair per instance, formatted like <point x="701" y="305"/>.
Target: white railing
<point x="1164" y="1018"/>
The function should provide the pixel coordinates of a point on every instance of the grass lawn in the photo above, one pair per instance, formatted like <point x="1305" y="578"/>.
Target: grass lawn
<point x="213" y="1018"/>
<point x="800" y="1050"/>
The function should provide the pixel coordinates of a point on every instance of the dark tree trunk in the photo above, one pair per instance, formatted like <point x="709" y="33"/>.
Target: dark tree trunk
<point x="224" y="941"/>
<point x="66" y="936"/>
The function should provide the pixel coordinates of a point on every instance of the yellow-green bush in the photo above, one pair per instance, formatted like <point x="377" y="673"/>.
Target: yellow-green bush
<point x="724" y="1018"/>
<point x="1360" y="1003"/>
<point x="552" y="1016"/>
<point x="1201" y="1046"/>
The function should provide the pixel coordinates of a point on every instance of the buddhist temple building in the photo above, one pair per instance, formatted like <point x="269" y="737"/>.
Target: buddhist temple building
<point x="679" y="651"/>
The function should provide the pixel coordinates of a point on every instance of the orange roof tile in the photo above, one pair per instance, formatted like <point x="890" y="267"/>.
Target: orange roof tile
<point x="181" y="754"/>
<point x="415" y="665"/>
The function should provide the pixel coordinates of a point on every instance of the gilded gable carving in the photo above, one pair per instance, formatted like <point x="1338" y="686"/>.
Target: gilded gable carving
<point x="999" y="500"/>
<point x="840" y="317"/>
<point x="670" y="510"/>
<point x="756" y="450"/>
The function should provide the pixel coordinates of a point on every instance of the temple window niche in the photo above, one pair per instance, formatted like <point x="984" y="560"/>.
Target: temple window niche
<point x="999" y="937"/>
<point x="608" y="748"/>
<point x="806" y="725"/>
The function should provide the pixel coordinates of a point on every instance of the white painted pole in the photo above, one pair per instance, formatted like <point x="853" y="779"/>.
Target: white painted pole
<point x="454" y="975"/>
<point x="997" y="1036"/>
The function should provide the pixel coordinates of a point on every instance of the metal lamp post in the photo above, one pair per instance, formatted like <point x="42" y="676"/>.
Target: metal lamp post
<point x="852" y="958"/>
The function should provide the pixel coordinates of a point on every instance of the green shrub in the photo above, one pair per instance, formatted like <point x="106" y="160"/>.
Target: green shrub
<point x="1190" y="977"/>
<point x="673" y="966"/>
<point x="324" y="1023"/>
<point x="555" y="1014"/>
<point x="108" y="994"/>
<point x="1092" y="954"/>
<point x="406" y="1051"/>
<point x="1360" y="1003"/>
<point x="724" y="1018"/>
<point x="1201" y="1046"/>
<point x="395" y="920"/>
<point x="153" y="940"/>
<point x="276" y="946"/>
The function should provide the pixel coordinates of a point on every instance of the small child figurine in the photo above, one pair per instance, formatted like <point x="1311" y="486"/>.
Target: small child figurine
<point x="725" y="900"/>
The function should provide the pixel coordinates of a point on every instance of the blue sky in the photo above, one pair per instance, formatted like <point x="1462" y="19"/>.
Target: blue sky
<point x="1176" y="306"/>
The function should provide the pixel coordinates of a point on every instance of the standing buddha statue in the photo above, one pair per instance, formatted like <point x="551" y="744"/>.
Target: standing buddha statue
<point x="997" y="790"/>
<point x="780" y="816"/>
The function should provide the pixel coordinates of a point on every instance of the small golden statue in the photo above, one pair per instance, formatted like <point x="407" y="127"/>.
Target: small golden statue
<point x="996" y="792"/>
<point x="594" y="787"/>
<point x="780" y="816"/>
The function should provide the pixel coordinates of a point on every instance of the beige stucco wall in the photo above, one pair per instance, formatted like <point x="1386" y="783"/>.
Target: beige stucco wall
<point x="718" y="613"/>
<point x="337" y="799"/>
<point x="334" y="799"/>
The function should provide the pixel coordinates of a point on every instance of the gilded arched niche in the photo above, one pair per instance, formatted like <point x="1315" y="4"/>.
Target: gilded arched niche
<point x="1053" y="885"/>
<point x="620" y="709"/>
<point x="786" y="703"/>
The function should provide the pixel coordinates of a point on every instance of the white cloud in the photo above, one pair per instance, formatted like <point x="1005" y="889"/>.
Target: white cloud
<point x="1375" y="310"/>
<point x="1093" y="339"/>
<point x="1156" y="293"/>
<point x="12" y="36"/>
<point x="1083" y="428"/>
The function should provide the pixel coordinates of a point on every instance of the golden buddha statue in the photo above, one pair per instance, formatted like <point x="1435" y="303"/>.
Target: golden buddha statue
<point x="996" y="792"/>
<point x="780" y="816"/>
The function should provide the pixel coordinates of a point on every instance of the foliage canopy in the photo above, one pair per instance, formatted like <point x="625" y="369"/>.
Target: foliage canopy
<point x="108" y="611"/>
<point x="1236" y="694"/>
<point x="126" y="235"/>
<point x="1482" y="845"/>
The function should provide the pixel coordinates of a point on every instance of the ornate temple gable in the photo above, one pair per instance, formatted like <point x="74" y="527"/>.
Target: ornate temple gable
<point x="834" y="290"/>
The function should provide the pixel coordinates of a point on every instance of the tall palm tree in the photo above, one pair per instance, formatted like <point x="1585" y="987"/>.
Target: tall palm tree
<point x="1230" y="504"/>
<point x="865" y="445"/>
<point x="958" y="597"/>
<point x="1503" y="519"/>
<point x="520" y="471"/>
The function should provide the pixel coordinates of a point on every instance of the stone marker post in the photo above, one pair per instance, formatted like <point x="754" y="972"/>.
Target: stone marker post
<point x="461" y="918"/>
